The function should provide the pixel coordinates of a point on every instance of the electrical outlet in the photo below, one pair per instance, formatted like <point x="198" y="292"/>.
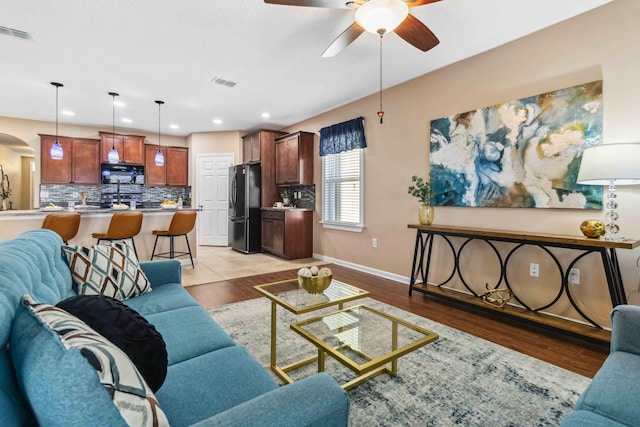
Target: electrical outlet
<point x="574" y="276"/>
<point x="374" y="243"/>
<point x="534" y="270"/>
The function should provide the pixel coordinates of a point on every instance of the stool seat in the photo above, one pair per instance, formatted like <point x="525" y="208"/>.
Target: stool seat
<point x="123" y="226"/>
<point x="181" y="224"/>
<point x="65" y="224"/>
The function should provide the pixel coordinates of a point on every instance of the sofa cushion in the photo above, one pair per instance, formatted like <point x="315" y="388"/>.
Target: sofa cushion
<point x="588" y="419"/>
<point x="73" y="376"/>
<point x="14" y="409"/>
<point x="230" y="374"/>
<point x="110" y="269"/>
<point x="179" y="327"/>
<point x="614" y="389"/>
<point x="33" y="264"/>
<point x="163" y="298"/>
<point x="125" y="328"/>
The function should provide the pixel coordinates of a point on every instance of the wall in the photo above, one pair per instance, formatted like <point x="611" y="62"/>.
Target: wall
<point x="601" y="44"/>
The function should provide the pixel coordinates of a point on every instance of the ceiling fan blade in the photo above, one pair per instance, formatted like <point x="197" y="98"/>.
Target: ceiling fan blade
<point x="335" y="4"/>
<point x="417" y="34"/>
<point x="347" y="37"/>
<point x="414" y="3"/>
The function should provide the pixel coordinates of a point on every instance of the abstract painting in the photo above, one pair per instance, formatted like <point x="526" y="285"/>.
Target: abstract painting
<point x="524" y="153"/>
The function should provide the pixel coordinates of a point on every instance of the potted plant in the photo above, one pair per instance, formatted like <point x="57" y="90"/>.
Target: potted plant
<point x="285" y="196"/>
<point x="5" y="189"/>
<point x="421" y="189"/>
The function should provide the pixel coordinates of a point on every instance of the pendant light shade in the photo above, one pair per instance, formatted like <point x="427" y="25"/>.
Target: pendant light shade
<point x="159" y="158"/>
<point x="56" y="151"/>
<point x="381" y="16"/>
<point x="113" y="155"/>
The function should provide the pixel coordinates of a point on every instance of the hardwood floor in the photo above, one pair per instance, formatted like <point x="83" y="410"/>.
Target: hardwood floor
<point x="574" y="354"/>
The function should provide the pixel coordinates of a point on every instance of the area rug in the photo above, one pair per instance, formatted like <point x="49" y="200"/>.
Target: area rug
<point x="460" y="380"/>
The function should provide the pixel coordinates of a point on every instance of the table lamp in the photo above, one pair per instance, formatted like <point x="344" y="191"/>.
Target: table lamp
<point x="611" y="164"/>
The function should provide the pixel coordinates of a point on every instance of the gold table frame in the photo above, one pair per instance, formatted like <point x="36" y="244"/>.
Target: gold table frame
<point x="374" y="365"/>
<point x="342" y="292"/>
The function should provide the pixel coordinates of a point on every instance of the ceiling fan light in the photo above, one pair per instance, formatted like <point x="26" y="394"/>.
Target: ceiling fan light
<point x="381" y="16"/>
<point x="159" y="159"/>
<point x="56" y="151"/>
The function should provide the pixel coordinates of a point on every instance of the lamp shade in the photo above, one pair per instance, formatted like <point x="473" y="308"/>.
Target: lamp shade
<point x="113" y="155"/>
<point x="381" y="16"/>
<point x="56" y="151"/>
<point x="159" y="158"/>
<point x="603" y="163"/>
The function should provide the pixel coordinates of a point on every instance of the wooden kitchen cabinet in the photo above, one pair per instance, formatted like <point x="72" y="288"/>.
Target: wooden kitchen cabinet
<point x="294" y="159"/>
<point x="130" y="148"/>
<point x="177" y="162"/>
<point x="251" y="148"/>
<point x="287" y="233"/>
<point x="260" y="147"/>
<point x="79" y="165"/>
<point x="175" y="170"/>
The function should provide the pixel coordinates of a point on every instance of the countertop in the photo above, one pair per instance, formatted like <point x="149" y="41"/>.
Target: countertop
<point x="86" y="211"/>
<point x="286" y="209"/>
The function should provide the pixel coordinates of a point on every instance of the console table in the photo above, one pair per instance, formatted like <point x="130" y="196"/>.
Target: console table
<point x="425" y="235"/>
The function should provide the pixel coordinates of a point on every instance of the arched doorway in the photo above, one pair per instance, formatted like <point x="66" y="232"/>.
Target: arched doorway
<point x="18" y="163"/>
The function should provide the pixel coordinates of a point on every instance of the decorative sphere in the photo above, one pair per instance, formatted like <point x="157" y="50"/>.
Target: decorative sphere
<point x="592" y="228"/>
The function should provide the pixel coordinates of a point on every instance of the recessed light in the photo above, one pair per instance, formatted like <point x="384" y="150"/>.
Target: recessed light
<point x="217" y="121"/>
<point x="119" y="104"/>
<point x="172" y="126"/>
<point x="266" y="115"/>
<point x="67" y="113"/>
<point x="126" y="120"/>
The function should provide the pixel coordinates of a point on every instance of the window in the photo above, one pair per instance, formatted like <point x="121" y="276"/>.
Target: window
<point x="342" y="190"/>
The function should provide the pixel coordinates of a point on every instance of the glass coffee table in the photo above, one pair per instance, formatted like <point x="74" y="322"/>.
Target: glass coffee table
<point x="364" y="340"/>
<point x="293" y="298"/>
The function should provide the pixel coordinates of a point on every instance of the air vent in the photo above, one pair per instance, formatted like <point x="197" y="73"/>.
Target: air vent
<point x="15" y="33"/>
<point x="223" y="82"/>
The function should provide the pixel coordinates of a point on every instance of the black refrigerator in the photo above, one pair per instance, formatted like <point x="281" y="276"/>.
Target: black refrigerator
<point x="244" y="208"/>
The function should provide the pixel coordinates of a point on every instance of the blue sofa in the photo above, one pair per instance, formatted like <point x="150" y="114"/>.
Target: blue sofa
<point x="612" y="397"/>
<point x="210" y="380"/>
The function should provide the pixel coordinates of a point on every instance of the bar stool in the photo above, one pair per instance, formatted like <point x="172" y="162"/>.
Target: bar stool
<point x="181" y="224"/>
<point x="65" y="224"/>
<point x="123" y="225"/>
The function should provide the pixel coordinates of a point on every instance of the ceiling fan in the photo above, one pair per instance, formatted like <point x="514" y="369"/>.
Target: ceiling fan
<point x="375" y="16"/>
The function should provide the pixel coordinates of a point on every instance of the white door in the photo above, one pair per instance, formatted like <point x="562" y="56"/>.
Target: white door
<point x="213" y="198"/>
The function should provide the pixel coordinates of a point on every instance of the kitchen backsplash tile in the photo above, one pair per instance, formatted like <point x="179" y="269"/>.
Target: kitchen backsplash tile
<point x="151" y="196"/>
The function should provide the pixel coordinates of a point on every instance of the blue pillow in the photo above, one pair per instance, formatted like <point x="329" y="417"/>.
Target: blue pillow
<point x="73" y="376"/>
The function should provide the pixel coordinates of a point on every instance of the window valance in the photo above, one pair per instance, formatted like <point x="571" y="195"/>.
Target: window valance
<point x="343" y="136"/>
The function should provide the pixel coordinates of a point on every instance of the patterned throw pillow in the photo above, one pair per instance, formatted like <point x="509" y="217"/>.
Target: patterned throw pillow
<point x="125" y="386"/>
<point x="110" y="270"/>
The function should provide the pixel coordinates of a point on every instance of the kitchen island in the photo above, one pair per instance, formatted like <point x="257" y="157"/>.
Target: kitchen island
<point x="14" y="222"/>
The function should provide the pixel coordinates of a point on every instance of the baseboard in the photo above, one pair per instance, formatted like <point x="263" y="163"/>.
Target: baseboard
<point x="187" y="261"/>
<point x="376" y="272"/>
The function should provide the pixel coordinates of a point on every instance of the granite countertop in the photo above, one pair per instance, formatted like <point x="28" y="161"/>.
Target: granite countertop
<point x="86" y="211"/>
<point x="286" y="209"/>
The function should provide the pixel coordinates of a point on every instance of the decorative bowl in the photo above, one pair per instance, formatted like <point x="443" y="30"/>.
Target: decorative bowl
<point x="592" y="228"/>
<point x="315" y="284"/>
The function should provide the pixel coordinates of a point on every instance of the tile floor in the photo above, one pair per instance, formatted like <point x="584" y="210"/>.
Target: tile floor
<point x="216" y="263"/>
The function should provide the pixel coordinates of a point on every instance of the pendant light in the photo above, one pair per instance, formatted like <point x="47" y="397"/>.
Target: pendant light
<point x="113" y="156"/>
<point x="56" y="149"/>
<point x="159" y="159"/>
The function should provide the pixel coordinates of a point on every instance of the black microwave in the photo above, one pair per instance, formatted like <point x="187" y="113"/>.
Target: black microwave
<point x="121" y="174"/>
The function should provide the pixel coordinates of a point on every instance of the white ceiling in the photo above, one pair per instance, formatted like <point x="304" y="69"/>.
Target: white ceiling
<point x="172" y="49"/>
